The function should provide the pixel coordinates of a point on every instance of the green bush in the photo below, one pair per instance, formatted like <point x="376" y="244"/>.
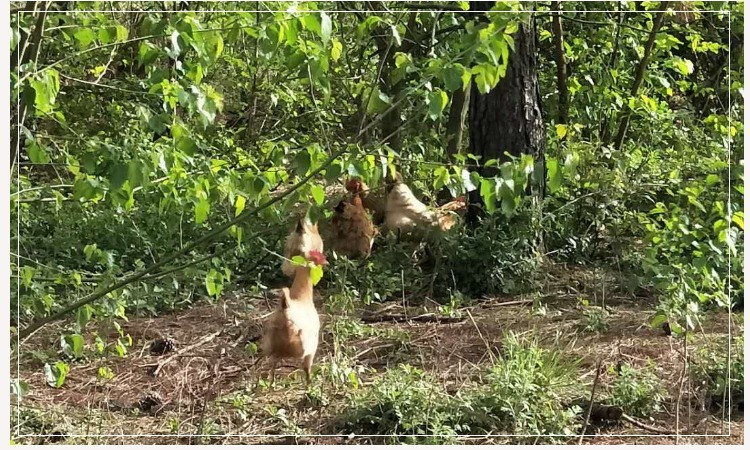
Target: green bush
<point x="526" y="390"/>
<point x="638" y="391"/>
<point x="405" y="403"/>
<point x="713" y="367"/>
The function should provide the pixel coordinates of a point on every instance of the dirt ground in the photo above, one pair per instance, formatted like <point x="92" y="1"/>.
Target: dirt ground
<point x="211" y="385"/>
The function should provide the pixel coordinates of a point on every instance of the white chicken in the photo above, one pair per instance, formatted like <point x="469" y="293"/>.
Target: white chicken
<point x="303" y="239"/>
<point x="292" y="330"/>
<point x="404" y="212"/>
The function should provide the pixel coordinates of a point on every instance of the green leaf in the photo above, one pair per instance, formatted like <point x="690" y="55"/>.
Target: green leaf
<point x="55" y="375"/>
<point x="316" y="273"/>
<point x="739" y="219"/>
<point x="105" y="373"/>
<point x="561" y="130"/>
<point x="37" y="153"/>
<point x="379" y="102"/>
<point x="333" y="172"/>
<point x="310" y="22"/>
<point x="486" y="76"/>
<point x="46" y="87"/>
<point x="121" y="33"/>
<point x="83" y="315"/>
<point x="470" y="180"/>
<point x="436" y="102"/>
<point x="75" y="344"/>
<point x="318" y="194"/>
<point x="336" y="49"/>
<point x="396" y="36"/>
<point x="325" y="27"/>
<point x="19" y="388"/>
<point x="554" y="175"/>
<point x="712" y="179"/>
<point x="453" y="77"/>
<point x="85" y="37"/>
<point x="214" y="283"/>
<point x="202" y="209"/>
<point x="487" y="191"/>
<point x="117" y="176"/>
<point x="302" y="162"/>
<point x="239" y="205"/>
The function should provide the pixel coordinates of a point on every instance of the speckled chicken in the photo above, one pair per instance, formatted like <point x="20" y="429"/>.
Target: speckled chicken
<point x="353" y="232"/>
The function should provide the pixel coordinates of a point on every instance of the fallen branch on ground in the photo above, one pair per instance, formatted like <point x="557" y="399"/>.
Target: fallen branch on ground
<point x="429" y="318"/>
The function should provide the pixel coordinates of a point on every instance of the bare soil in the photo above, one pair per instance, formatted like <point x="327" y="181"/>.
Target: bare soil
<point x="217" y="387"/>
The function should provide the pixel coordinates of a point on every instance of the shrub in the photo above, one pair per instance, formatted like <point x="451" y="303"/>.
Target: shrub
<point x="713" y="367"/>
<point x="405" y="401"/>
<point x="526" y="391"/>
<point x="638" y="391"/>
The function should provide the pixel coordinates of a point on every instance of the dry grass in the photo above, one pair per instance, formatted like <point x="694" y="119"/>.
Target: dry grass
<point x="215" y="387"/>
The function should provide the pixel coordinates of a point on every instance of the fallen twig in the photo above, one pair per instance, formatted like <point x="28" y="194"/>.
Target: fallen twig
<point x="158" y="366"/>
<point x="430" y="317"/>
<point x="487" y="344"/>
<point x="591" y="402"/>
<point x="633" y="421"/>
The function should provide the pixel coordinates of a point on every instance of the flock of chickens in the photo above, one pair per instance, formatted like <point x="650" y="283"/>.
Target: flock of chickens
<point x="293" y="328"/>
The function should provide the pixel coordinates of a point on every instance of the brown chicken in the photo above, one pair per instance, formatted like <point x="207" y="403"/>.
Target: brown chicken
<point x="404" y="212"/>
<point x="303" y="239"/>
<point x="352" y="230"/>
<point x="292" y="330"/>
<point x="371" y="200"/>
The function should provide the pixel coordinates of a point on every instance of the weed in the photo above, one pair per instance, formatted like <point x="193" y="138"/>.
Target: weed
<point x="525" y="391"/>
<point x="594" y="318"/>
<point x="714" y="365"/>
<point x="407" y="405"/>
<point x="638" y="391"/>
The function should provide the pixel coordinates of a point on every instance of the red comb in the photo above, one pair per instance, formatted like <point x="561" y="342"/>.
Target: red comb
<point x="317" y="257"/>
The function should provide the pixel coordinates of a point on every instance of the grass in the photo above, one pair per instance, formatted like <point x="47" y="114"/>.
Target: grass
<point x="512" y="372"/>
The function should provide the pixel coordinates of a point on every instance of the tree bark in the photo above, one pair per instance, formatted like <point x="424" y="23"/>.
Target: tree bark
<point x="459" y="107"/>
<point x="509" y="117"/>
<point x="26" y="55"/>
<point x="640" y="72"/>
<point x="562" y="70"/>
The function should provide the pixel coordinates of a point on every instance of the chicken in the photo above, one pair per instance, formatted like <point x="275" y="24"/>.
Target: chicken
<point x="352" y="230"/>
<point x="372" y="201"/>
<point x="405" y="212"/>
<point x="303" y="239"/>
<point x="293" y="328"/>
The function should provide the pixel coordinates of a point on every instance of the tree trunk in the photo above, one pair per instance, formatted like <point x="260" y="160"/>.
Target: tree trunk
<point x="509" y="117"/>
<point x="640" y="72"/>
<point x="459" y="108"/>
<point x="26" y="54"/>
<point x="562" y="70"/>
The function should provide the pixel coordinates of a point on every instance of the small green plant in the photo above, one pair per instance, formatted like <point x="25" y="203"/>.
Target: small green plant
<point x="452" y="308"/>
<point x="526" y="390"/>
<point x="594" y="318"/>
<point x="715" y="365"/>
<point x="105" y="373"/>
<point x="287" y="425"/>
<point x="638" y="391"/>
<point x="403" y="403"/>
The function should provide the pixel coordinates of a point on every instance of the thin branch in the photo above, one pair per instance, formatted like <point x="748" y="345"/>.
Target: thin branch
<point x="640" y="72"/>
<point x="433" y="6"/>
<point x="592" y="22"/>
<point x="106" y="86"/>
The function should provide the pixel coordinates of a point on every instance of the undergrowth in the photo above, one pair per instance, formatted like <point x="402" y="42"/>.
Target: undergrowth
<point x="524" y="392"/>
